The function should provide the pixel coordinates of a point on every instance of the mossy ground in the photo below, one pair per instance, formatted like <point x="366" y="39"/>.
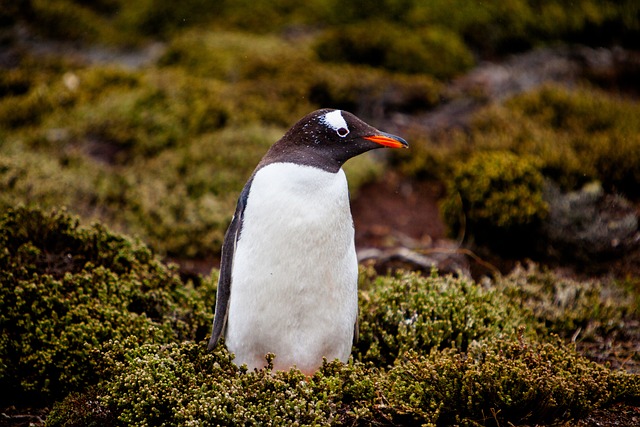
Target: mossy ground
<point x="90" y="318"/>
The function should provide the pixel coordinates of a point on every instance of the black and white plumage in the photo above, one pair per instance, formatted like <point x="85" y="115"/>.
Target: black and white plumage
<point x="289" y="273"/>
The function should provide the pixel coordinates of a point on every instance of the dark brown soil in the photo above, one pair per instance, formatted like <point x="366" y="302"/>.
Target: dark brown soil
<point x="395" y="209"/>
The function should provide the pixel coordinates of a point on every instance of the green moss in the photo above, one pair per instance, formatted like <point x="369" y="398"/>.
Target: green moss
<point x="267" y="85"/>
<point x="494" y="195"/>
<point x="601" y="131"/>
<point x="70" y="20"/>
<point x="360" y="89"/>
<point x="163" y="18"/>
<point x="576" y="135"/>
<point x="515" y="382"/>
<point x="507" y="382"/>
<point x="66" y="289"/>
<point x="184" y="201"/>
<point x="435" y="50"/>
<point x="234" y="56"/>
<point x="410" y="312"/>
<point x="162" y="153"/>
<point x="565" y="306"/>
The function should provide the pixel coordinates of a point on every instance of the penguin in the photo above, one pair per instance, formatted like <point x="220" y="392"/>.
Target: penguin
<point x="289" y="272"/>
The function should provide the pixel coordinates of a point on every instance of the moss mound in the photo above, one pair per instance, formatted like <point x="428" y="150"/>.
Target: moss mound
<point x="411" y="312"/>
<point x="93" y="321"/>
<point x="568" y="307"/>
<point x="575" y="135"/>
<point x="497" y="196"/>
<point x="162" y="153"/>
<point x="505" y="381"/>
<point x="434" y="50"/>
<point x="66" y="289"/>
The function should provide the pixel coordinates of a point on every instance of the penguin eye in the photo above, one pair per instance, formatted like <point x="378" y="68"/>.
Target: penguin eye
<point x="343" y="132"/>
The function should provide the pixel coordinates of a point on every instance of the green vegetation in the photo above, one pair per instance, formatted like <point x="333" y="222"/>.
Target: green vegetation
<point x="496" y="196"/>
<point x="506" y="381"/>
<point x="575" y="136"/>
<point x="161" y="152"/>
<point x="91" y="318"/>
<point x="495" y="171"/>
<point x="435" y="51"/>
<point x="411" y="312"/>
<point x="489" y="27"/>
<point x="66" y="289"/>
<point x="565" y="306"/>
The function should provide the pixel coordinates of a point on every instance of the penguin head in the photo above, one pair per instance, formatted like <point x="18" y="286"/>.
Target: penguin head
<point x="328" y="138"/>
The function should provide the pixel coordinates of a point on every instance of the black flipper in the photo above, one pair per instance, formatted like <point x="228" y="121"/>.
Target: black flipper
<point x="226" y="267"/>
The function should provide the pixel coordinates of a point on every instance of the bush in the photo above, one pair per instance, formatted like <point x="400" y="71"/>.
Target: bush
<point x="511" y="382"/>
<point x="409" y="312"/>
<point x="182" y="384"/>
<point x="566" y="306"/>
<point x="67" y="289"/>
<point x="435" y="50"/>
<point x="576" y="136"/>
<point x="93" y="314"/>
<point x="497" y="196"/>
<point x="602" y="131"/>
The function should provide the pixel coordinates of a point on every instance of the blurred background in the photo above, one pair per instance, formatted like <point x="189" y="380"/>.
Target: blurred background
<point x="149" y="116"/>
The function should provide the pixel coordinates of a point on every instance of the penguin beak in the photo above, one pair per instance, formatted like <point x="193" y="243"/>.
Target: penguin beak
<point x="388" y="140"/>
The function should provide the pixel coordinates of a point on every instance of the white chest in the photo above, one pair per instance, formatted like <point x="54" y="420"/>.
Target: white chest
<point x="294" y="277"/>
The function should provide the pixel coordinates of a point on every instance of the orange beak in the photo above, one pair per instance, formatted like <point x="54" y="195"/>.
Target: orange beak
<point x="388" y="140"/>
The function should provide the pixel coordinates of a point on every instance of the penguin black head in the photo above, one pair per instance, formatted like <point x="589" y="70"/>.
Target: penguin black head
<point x="327" y="138"/>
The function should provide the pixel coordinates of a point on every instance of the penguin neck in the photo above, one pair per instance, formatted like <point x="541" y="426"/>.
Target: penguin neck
<point x="302" y="155"/>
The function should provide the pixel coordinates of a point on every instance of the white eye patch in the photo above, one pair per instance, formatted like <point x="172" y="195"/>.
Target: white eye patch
<point x="335" y="121"/>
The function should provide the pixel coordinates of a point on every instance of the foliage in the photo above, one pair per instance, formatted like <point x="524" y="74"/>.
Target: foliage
<point x="433" y="50"/>
<point x="566" y="306"/>
<point x="599" y="132"/>
<point x="509" y="381"/>
<point x="576" y="135"/>
<point x="495" y="169"/>
<point x="181" y="384"/>
<point x="495" y="194"/>
<point x="66" y="289"/>
<point x="410" y="312"/>
<point x="163" y="151"/>
<point x="93" y="316"/>
<point x="488" y="27"/>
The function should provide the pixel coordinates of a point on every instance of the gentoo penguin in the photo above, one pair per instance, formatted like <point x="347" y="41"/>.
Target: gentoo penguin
<point x="289" y="273"/>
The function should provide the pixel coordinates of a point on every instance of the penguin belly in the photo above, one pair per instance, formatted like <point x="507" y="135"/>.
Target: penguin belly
<point x="295" y="272"/>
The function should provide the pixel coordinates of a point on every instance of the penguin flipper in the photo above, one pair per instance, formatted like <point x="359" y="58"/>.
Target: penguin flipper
<point x="226" y="266"/>
<point x="356" y="328"/>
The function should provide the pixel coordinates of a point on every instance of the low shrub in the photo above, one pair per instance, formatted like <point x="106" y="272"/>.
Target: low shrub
<point x="513" y="381"/>
<point x="568" y="307"/>
<point x="182" y="384"/>
<point x="497" y="196"/>
<point x="503" y="382"/>
<point x="433" y="50"/>
<point x="410" y="312"/>
<point x="602" y="131"/>
<point x="66" y="289"/>
<point x="93" y="316"/>
<point x="576" y="136"/>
